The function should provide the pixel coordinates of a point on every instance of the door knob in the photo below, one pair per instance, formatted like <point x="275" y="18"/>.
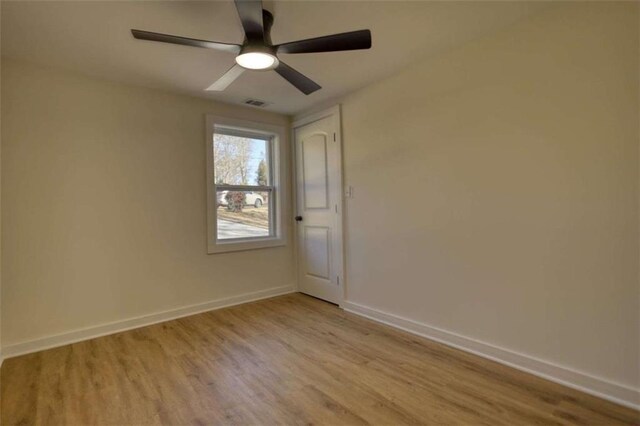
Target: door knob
<point x="298" y="218"/>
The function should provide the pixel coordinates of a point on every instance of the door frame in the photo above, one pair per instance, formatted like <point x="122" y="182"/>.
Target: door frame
<point x="299" y="121"/>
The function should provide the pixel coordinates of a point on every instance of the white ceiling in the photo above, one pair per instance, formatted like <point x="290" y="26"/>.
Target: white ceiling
<point x="93" y="38"/>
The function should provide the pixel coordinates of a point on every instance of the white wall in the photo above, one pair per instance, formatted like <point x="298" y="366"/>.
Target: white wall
<point x="104" y="205"/>
<point x="496" y="190"/>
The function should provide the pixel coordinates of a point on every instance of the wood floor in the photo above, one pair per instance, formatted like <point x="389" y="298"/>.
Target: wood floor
<point x="287" y="360"/>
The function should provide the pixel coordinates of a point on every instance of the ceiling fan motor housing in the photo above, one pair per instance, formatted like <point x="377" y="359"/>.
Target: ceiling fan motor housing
<point x="267" y="22"/>
<point x="261" y="44"/>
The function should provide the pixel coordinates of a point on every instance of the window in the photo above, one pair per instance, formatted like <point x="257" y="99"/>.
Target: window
<point x="243" y="185"/>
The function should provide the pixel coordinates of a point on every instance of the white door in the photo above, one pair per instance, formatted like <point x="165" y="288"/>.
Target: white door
<point x="319" y="207"/>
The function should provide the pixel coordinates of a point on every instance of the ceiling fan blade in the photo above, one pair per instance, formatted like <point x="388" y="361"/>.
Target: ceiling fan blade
<point x="228" y="78"/>
<point x="354" y="40"/>
<point x="250" y="12"/>
<point x="302" y="83"/>
<point x="167" y="38"/>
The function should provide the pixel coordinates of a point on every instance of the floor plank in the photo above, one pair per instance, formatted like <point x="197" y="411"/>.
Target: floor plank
<point x="287" y="360"/>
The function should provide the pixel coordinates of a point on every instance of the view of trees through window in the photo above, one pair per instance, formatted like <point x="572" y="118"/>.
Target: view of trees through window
<point x="242" y="212"/>
<point x="240" y="160"/>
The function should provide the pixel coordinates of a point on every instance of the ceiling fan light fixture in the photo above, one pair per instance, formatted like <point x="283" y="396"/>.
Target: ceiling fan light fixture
<point x="257" y="61"/>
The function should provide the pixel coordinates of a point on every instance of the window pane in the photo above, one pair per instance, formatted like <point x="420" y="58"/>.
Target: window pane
<point x="240" y="160"/>
<point x="243" y="214"/>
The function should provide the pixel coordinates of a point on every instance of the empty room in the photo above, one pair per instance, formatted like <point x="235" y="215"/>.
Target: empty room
<point x="305" y="212"/>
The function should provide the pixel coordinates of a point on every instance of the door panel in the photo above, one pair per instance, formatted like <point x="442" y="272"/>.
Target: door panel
<point x="314" y="171"/>
<point x="318" y="251"/>
<point x="318" y="199"/>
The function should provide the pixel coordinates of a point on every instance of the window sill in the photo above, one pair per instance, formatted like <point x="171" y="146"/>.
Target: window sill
<point x="243" y="245"/>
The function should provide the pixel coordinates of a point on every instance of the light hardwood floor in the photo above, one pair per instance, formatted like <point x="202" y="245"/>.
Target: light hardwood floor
<point x="287" y="360"/>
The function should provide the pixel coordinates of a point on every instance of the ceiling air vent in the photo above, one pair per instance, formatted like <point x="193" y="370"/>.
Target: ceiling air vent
<point x="256" y="103"/>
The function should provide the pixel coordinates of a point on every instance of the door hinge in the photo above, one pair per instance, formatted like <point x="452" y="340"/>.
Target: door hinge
<point x="338" y="277"/>
<point x="334" y="137"/>
<point x="336" y="208"/>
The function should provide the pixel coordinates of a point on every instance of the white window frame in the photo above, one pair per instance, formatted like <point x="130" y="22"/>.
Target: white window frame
<point x="276" y="135"/>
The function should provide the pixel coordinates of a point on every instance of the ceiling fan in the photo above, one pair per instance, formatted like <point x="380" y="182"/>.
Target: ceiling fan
<point x="257" y="51"/>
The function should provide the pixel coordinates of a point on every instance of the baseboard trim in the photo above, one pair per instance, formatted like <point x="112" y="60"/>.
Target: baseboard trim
<point x="611" y="391"/>
<point x="79" y="335"/>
